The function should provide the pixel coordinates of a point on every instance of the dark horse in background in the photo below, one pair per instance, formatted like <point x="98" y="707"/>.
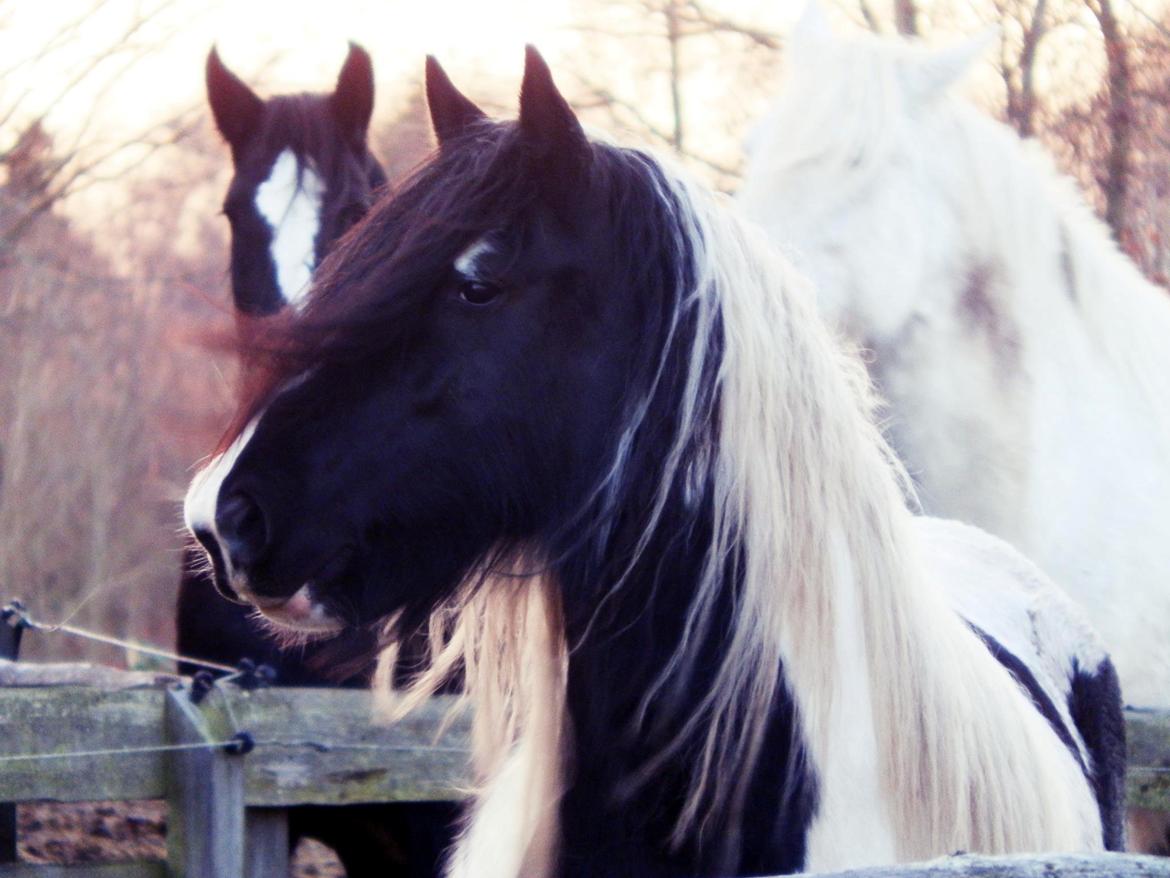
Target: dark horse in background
<point x="303" y="176"/>
<point x="564" y="403"/>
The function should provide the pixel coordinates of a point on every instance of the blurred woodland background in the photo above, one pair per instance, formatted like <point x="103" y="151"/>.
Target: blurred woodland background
<point x="113" y="253"/>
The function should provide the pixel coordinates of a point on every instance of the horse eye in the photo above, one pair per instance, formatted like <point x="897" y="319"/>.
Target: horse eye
<point x="478" y="292"/>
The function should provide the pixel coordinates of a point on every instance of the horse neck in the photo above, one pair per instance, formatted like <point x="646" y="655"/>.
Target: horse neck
<point x="1067" y="285"/>
<point x="636" y="744"/>
<point x="1083" y="330"/>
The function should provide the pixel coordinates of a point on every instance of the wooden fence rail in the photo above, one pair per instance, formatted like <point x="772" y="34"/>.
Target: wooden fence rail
<point x="85" y="733"/>
<point x="1032" y="866"/>
<point x="74" y="733"/>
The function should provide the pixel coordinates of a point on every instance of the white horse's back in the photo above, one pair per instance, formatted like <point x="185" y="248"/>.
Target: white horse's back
<point x="1024" y="358"/>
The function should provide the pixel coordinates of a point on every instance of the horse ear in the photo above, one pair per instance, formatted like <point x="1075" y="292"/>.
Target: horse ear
<point x="931" y="76"/>
<point x="451" y="112"/>
<point x="235" y="107"/>
<point x="353" y="96"/>
<point x="549" y="128"/>
<point x="812" y="29"/>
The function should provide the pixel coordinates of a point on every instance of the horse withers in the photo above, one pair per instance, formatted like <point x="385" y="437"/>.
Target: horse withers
<point x="303" y="175"/>
<point x="589" y="425"/>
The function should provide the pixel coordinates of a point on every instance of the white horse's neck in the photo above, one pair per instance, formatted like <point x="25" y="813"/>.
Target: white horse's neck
<point x="1035" y="390"/>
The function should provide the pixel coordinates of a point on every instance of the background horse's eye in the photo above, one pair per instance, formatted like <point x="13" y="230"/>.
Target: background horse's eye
<point x="478" y="292"/>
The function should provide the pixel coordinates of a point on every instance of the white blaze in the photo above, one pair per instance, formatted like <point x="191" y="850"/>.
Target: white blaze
<point x="290" y="202"/>
<point x="467" y="261"/>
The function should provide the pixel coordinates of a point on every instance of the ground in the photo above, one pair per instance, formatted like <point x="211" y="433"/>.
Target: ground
<point x="111" y="831"/>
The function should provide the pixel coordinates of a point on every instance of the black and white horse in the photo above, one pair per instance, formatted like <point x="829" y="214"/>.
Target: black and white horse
<point x="303" y="176"/>
<point x="565" y="404"/>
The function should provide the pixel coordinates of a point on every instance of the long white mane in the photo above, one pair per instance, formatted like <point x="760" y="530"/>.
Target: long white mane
<point x="1023" y="355"/>
<point x="883" y="672"/>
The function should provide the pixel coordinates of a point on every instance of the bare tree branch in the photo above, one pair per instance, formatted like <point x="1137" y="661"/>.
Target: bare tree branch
<point x="717" y="24"/>
<point x="906" y="17"/>
<point x="870" y="19"/>
<point x="1120" y="116"/>
<point x="1022" y="115"/>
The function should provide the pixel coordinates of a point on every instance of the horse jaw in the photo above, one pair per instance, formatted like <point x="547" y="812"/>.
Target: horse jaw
<point x="302" y="612"/>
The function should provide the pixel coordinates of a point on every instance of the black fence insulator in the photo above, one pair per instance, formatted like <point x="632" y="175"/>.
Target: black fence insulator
<point x="202" y="683"/>
<point x="242" y="744"/>
<point x="12" y="625"/>
<point x="253" y="676"/>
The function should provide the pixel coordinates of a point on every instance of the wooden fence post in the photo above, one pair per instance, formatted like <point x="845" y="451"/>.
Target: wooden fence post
<point x="266" y="843"/>
<point x="11" y="629"/>
<point x="205" y="795"/>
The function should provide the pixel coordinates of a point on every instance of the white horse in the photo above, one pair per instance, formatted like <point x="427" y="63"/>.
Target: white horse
<point x="1025" y="360"/>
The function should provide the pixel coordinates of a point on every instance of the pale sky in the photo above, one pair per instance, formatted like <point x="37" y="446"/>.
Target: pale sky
<point x="290" y="45"/>
<point x="293" y="45"/>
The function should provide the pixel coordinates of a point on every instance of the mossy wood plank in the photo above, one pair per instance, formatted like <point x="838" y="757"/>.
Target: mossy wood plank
<point x="316" y="751"/>
<point x="1148" y="737"/>
<point x="1017" y="866"/>
<point x="144" y="869"/>
<point x="313" y="746"/>
<point x="73" y="719"/>
<point x="1148" y="746"/>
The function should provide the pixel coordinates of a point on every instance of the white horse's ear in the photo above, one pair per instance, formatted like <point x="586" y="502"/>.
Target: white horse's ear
<point x="932" y="75"/>
<point x="812" y="28"/>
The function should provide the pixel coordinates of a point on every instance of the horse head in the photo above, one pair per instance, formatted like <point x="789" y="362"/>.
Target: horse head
<point x="302" y="176"/>
<point x="848" y="169"/>
<point x="455" y="381"/>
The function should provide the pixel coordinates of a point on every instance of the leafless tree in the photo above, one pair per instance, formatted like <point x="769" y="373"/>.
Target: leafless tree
<point x="69" y="160"/>
<point x="674" y="42"/>
<point x="905" y="17"/>
<point x="1120" y="114"/>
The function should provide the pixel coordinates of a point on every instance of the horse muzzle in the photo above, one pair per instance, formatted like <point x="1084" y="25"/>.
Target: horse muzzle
<point x="236" y="532"/>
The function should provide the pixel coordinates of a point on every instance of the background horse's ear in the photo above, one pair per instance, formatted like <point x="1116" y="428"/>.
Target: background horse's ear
<point x="930" y="76"/>
<point x="236" y="107"/>
<point x="812" y="28"/>
<point x="550" y="130"/>
<point x="451" y="112"/>
<point x="353" y="96"/>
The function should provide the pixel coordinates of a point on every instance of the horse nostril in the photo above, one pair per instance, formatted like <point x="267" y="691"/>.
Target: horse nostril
<point x="243" y="528"/>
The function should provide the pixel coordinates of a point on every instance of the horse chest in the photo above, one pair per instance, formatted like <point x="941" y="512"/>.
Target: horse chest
<point x="618" y="814"/>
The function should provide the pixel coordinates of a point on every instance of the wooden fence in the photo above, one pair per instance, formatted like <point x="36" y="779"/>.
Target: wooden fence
<point x="228" y="766"/>
<point x="139" y="736"/>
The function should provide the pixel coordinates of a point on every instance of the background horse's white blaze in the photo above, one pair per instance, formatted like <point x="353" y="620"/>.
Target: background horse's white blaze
<point x="1023" y="356"/>
<point x="290" y="202"/>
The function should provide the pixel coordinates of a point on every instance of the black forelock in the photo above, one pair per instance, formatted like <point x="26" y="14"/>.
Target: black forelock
<point x="306" y="124"/>
<point x="303" y="123"/>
